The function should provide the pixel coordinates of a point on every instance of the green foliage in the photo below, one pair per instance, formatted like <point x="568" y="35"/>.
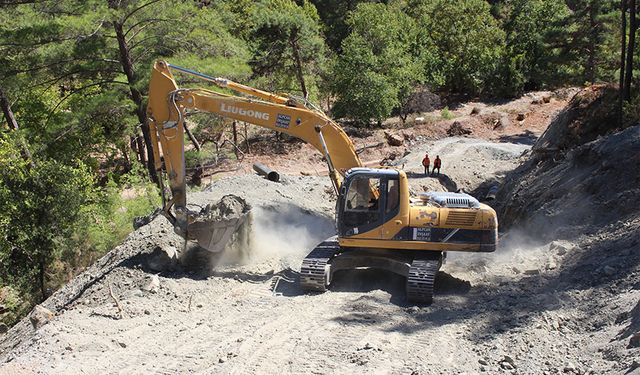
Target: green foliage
<point x="465" y="41"/>
<point x="17" y="305"/>
<point x="109" y="219"/>
<point x="334" y="15"/>
<point x="286" y="44"/>
<point x="376" y="70"/>
<point x="447" y="114"/>
<point x="530" y="59"/>
<point x="41" y="203"/>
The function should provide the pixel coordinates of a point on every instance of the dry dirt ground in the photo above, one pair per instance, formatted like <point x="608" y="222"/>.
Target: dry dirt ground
<point x="532" y="307"/>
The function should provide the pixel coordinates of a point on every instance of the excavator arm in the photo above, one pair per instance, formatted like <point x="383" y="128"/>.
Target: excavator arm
<point x="168" y="104"/>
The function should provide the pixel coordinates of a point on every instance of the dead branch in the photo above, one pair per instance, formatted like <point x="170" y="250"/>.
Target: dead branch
<point x="120" y="311"/>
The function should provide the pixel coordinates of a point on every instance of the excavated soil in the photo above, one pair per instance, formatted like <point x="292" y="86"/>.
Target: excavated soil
<point x="539" y="304"/>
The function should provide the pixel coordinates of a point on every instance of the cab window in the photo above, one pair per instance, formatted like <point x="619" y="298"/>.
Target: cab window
<point x="393" y="196"/>
<point x="362" y="202"/>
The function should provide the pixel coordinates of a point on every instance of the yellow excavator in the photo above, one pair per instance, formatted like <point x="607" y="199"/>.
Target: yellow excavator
<point x="379" y="225"/>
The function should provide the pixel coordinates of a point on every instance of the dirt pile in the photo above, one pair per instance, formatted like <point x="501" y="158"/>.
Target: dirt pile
<point x="582" y="184"/>
<point x="591" y="113"/>
<point x="565" y="194"/>
<point x="229" y="207"/>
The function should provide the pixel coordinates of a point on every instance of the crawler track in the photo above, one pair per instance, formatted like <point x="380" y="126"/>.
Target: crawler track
<point x="420" y="280"/>
<point x="314" y="270"/>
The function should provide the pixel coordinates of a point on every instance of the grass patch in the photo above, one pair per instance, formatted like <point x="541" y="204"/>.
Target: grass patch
<point x="447" y="114"/>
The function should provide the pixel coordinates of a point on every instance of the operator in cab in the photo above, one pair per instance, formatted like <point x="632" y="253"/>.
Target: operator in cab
<point x="361" y="197"/>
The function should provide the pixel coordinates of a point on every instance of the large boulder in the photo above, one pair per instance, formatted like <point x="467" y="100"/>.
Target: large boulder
<point x="163" y="258"/>
<point x="40" y="316"/>
<point x="393" y="139"/>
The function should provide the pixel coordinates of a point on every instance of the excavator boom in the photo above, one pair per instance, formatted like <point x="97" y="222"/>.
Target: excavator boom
<point x="168" y="104"/>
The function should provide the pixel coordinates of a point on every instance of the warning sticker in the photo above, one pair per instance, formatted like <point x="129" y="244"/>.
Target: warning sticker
<point x="283" y="121"/>
<point x="422" y="234"/>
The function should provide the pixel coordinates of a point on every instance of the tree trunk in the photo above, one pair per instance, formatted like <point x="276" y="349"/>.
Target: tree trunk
<point x="235" y="137"/>
<point x="41" y="277"/>
<point x="246" y="139"/>
<point x="8" y="113"/>
<point x="628" y="76"/>
<point x="593" y="43"/>
<point x="623" y="27"/>
<point x="136" y="96"/>
<point x="193" y="139"/>
<point x="293" y="40"/>
<point x="13" y="124"/>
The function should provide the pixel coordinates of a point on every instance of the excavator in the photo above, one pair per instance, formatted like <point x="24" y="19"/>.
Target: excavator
<point x="379" y="224"/>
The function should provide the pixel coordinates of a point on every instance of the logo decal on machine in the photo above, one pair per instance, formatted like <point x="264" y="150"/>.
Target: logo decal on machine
<point x="283" y="121"/>
<point x="244" y="112"/>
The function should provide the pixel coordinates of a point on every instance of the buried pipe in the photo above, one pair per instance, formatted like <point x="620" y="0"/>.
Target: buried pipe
<point x="263" y="170"/>
<point x="491" y="195"/>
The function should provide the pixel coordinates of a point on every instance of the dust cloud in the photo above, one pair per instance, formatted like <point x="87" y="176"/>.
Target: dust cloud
<point x="283" y="234"/>
<point x="518" y="251"/>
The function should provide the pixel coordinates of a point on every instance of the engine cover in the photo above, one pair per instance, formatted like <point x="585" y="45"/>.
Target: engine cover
<point x="451" y="200"/>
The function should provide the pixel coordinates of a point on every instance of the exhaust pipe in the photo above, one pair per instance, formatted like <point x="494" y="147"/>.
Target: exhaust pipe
<point x="263" y="170"/>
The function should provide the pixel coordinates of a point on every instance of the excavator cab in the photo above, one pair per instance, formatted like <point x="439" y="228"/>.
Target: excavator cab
<point x="368" y="198"/>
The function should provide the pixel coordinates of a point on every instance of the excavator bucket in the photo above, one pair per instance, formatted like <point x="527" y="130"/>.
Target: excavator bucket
<point x="215" y="235"/>
<point x="215" y="226"/>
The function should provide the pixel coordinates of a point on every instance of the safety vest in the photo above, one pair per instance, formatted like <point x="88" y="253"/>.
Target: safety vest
<point x="426" y="161"/>
<point x="436" y="163"/>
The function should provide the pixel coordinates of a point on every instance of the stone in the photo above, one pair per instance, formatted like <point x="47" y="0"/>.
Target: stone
<point x="634" y="341"/>
<point x="609" y="271"/>
<point x="546" y="98"/>
<point x="569" y="367"/>
<point x="475" y="110"/>
<point x="506" y="365"/>
<point x="502" y="123"/>
<point x="163" y="259"/>
<point x="419" y="120"/>
<point x="561" y="247"/>
<point x="147" y="312"/>
<point x="521" y="116"/>
<point x="40" y="316"/>
<point x="483" y="362"/>
<point x="458" y="128"/>
<point x="3" y="328"/>
<point x="3" y="309"/>
<point x="154" y="284"/>
<point x="393" y="139"/>
<point x="222" y="360"/>
<point x="509" y="360"/>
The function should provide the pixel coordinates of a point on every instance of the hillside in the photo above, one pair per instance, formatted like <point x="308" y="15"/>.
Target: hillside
<point x="561" y="295"/>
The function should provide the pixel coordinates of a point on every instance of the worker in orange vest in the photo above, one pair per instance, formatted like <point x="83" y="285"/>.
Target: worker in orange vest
<point x="425" y="163"/>
<point x="436" y="165"/>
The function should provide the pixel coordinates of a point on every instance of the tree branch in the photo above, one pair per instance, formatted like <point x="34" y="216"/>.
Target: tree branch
<point x="137" y="9"/>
